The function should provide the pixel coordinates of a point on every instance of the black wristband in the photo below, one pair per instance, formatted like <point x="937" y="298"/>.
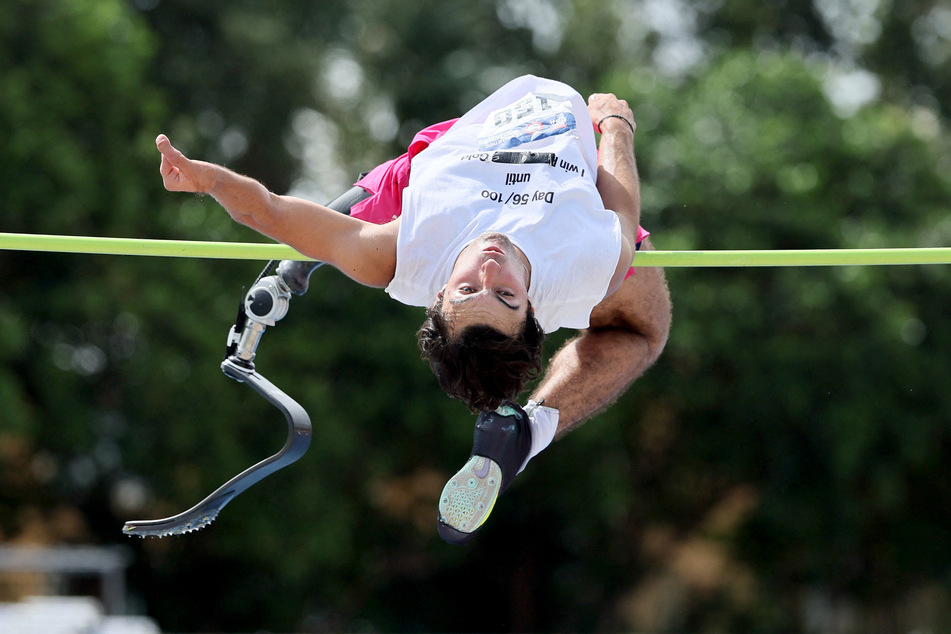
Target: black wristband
<point x="617" y="116"/>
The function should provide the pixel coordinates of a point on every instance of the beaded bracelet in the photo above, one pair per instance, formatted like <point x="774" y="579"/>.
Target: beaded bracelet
<point x="624" y="119"/>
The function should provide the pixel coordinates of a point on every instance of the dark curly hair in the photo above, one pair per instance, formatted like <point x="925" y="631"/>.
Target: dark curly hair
<point x="481" y="366"/>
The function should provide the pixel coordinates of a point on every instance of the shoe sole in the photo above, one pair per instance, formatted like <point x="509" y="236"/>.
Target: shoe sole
<point x="468" y="499"/>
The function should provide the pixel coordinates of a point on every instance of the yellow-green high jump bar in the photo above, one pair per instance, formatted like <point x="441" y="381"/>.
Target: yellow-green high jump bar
<point x="273" y="251"/>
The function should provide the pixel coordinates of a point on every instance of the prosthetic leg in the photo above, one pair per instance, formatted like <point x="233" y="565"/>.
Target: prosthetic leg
<point x="264" y="305"/>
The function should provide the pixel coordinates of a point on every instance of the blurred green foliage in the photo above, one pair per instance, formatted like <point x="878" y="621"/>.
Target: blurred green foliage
<point x="783" y="467"/>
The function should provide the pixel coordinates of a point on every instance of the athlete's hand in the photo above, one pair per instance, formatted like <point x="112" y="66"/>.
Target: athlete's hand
<point x="181" y="174"/>
<point x="603" y="105"/>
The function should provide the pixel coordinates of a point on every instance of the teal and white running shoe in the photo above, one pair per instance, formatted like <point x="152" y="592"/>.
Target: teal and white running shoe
<point x="502" y="443"/>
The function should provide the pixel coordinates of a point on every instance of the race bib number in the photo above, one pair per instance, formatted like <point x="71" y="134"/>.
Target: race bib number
<point x="531" y="118"/>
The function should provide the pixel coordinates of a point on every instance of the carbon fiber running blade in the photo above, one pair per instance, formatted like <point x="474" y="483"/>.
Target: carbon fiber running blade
<point x="202" y="514"/>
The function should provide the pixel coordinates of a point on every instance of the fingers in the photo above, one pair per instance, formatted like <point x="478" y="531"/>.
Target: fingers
<point x="167" y="149"/>
<point x="172" y="165"/>
<point x="168" y="171"/>
<point x="601" y="105"/>
<point x="609" y="104"/>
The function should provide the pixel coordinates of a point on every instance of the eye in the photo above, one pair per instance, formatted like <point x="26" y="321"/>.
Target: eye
<point x="506" y="293"/>
<point x="467" y="289"/>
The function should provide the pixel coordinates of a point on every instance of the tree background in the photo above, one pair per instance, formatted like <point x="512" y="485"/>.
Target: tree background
<point x="783" y="468"/>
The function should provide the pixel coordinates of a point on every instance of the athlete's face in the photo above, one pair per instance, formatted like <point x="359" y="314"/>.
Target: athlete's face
<point x="488" y="285"/>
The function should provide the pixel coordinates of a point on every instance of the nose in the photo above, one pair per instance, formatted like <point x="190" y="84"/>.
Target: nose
<point x="490" y="270"/>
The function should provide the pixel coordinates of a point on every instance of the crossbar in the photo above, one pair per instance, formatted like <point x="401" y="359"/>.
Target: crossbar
<point x="273" y="251"/>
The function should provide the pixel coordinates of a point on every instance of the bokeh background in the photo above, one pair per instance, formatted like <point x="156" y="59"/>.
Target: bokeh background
<point x="785" y="467"/>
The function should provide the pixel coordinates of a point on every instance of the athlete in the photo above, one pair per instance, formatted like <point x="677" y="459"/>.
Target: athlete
<point x="506" y="223"/>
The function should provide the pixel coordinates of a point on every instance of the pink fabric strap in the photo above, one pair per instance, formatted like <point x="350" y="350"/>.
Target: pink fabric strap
<point x="386" y="182"/>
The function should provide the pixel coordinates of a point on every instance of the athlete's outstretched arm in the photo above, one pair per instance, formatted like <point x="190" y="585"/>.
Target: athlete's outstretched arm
<point x="364" y="251"/>
<point x="618" y="181"/>
<point x="627" y="334"/>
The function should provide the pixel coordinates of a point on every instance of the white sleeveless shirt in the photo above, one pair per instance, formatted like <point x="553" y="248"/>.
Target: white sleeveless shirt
<point x="523" y="163"/>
